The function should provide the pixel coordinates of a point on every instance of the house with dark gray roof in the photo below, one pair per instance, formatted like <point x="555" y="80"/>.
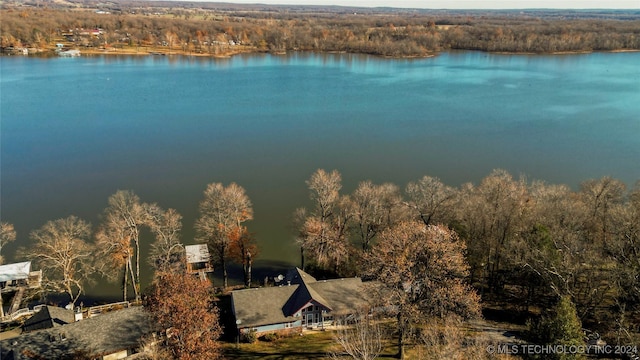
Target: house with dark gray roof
<point x="302" y="302"/>
<point x="48" y="317"/>
<point x="113" y="335"/>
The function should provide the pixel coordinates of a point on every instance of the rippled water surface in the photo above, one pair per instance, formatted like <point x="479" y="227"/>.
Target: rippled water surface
<point x="75" y="130"/>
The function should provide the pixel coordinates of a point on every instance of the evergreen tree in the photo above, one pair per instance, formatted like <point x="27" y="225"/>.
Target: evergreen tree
<point x="560" y="327"/>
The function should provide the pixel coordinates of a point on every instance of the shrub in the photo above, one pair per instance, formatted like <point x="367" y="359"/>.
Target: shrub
<point x="270" y="337"/>
<point x="249" y="337"/>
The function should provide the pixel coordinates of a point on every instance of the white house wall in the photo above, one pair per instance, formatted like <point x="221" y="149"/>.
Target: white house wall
<point x="275" y="327"/>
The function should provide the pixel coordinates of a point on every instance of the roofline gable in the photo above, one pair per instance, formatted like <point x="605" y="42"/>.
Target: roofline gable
<point x="310" y="302"/>
<point x="302" y="296"/>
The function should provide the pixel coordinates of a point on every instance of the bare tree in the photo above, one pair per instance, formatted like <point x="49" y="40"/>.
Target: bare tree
<point x="561" y="232"/>
<point x="422" y="270"/>
<point x="359" y="336"/>
<point x="243" y="249"/>
<point x="325" y="192"/>
<point x="374" y="209"/>
<point x="323" y="232"/>
<point x="118" y="238"/>
<point x="298" y="228"/>
<point x="167" y="252"/>
<point x="115" y="252"/>
<point x="326" y="242"/>
<point x="62" y="251"/>
<point x="492" y="215"/>
<point x="600" y="197"/>
<point x="222" y="211"/>
<point x="550" y="246"/>
<point x="624" y="249"/>
<point x="7" y="235"/>
<point x="432" y="200"/>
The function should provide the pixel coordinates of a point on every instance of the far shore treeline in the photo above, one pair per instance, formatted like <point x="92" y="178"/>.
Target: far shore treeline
<point x="210" y="29"/>
<point x="526" y="243"/>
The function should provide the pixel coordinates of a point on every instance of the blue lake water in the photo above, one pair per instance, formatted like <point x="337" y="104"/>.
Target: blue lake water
<point x="75" y="130"/>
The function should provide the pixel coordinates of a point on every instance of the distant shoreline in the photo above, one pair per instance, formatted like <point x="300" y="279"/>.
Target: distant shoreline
<point x="156" y="28"/>
<point x="50" y="52"/>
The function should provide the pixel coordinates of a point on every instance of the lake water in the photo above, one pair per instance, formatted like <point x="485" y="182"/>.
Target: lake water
<point x="75" y="130"/>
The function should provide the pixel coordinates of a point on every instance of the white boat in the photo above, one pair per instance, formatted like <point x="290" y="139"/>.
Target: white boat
<point x="69" y="53"/>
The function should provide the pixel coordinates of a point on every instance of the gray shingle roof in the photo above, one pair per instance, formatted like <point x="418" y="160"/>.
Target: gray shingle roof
<point x="100" y="335"/>
<point x="48" y="317"/>
<point x="274" y="305"/>
<point x="301" y="297"/>
<point x="263" y="306"/>
<point x="297" y="276"/>
<point x="343" y="295"/>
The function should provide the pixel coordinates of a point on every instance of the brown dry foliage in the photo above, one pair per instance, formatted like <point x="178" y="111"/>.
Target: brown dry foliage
<point x="182" y="307"/>
<point x="422" y="271"/>
<point x="243" y="249"/>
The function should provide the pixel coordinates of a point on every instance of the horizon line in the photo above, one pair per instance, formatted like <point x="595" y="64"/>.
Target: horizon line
<point x="404" y="7"/>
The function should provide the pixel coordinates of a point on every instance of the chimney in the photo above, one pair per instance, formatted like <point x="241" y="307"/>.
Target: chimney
<point x="78" y="314"/>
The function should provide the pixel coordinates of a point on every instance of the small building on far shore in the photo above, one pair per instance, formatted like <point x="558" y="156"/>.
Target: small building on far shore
<point x="10" y="50"/>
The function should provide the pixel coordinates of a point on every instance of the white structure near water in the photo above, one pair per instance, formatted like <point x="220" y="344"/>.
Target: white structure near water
<point x="198" y="260"/>
<point x="69" y="53"/>
<point x="16" y="278"/>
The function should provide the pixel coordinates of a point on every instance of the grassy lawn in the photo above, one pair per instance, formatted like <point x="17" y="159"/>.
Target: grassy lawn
<point x="310" y="345"/>
<point x="317" y="344"/>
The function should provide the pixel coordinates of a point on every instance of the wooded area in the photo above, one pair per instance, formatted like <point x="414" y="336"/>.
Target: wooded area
<point x="557" y="258"/>
<point x="527" y="243"/>
<point x="509" y="246"/>
<point x="219" y="30"/>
